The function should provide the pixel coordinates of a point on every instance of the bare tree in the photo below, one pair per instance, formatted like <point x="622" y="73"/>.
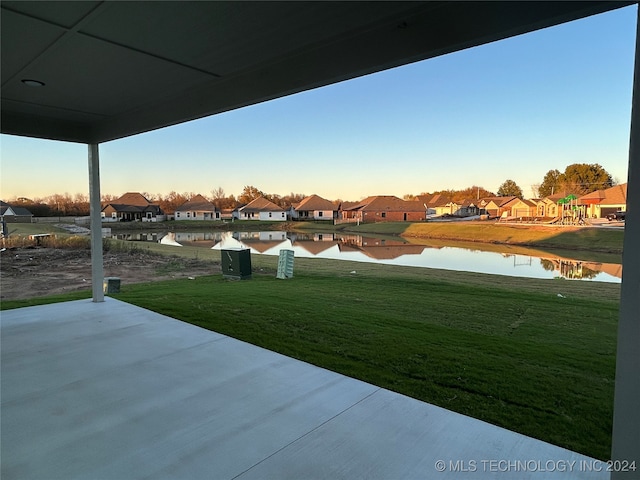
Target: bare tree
<point x="217" y="194"/>
<point x="250" y="193"/>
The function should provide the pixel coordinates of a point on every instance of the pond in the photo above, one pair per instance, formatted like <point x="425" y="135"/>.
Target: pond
<point x="501" y="260"/>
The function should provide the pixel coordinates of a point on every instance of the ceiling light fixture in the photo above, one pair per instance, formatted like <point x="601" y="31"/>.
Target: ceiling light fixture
<point x="32" y="83"/>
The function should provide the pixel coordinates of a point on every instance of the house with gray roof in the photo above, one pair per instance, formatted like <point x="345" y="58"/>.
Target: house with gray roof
<point x="132" y="206"/>
<point x="13" y="214"/>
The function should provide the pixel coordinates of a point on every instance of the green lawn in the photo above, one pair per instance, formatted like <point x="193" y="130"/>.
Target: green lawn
<point x="512" y="353"/>
<point x="25" y="229"/>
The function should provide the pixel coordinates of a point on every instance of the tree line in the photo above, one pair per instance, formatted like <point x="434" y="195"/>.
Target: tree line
<point x="67" y="205"/>
<point x="578" y="178"/>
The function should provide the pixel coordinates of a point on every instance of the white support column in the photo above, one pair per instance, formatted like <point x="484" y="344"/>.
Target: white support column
<point x="97" y="268"/>
<point x="626" y="409"/>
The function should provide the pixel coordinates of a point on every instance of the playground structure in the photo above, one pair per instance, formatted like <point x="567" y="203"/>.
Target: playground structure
<point x="570" y="212"/>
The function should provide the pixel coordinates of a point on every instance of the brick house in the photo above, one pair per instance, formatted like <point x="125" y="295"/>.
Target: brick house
<point x="385" y="208"/>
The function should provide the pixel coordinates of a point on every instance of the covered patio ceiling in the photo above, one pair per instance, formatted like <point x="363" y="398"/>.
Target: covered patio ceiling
<point x="114" y="69"/>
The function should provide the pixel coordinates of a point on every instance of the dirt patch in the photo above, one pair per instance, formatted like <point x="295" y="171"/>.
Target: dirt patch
<point x="39" y="272"/>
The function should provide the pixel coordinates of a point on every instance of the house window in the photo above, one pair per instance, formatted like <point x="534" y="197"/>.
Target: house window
<point x="102" y="214"/>
<point x="269" y="214"/>
<point x="384" y="214"/>
<point x="188" y="214"/>
<point x="114" y="215"/>
<point x="320" y="214"/>
<point x="194" y="214"/>
<point x="177" y="214"/>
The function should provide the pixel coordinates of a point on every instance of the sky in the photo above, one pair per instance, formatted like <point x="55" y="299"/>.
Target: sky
<point x="512" y="109"/>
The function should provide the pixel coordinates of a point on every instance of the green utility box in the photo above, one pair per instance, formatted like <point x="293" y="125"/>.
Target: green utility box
<point x="111" y="284"/>
<point x="236" y="264"/>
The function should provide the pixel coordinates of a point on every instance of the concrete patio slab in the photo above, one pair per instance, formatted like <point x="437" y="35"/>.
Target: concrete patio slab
<point x="113" y="391"/>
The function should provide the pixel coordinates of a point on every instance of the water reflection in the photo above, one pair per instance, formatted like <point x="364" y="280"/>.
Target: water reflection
<point x="512" y="261"/>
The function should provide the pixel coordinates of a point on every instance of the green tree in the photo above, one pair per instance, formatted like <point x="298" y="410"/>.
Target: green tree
<point x="552" y="183"/>
<point x="470" y="193"/>
<point x="583" y="178"/>
<point x="578" y="178"/>
<point x="509" y="188"/>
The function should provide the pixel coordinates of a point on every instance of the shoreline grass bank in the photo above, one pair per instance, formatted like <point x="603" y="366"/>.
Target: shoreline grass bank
<point x="551" y="237"/>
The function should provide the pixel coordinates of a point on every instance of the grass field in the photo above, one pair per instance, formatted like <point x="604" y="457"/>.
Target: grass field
<point x="23" y="229"/>
<point x="510" y="352"/>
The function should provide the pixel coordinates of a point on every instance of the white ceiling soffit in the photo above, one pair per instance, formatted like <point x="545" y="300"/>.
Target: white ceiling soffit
<point x="113" y="69"/>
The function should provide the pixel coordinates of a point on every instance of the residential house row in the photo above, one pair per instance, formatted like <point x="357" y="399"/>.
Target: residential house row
<point x="378" y="208"/>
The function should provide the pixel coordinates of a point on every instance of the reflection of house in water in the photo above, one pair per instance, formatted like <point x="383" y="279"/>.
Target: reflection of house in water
<point x="261" y="246"/>
<point x="323" y="237"/>
<point x="383" y="252"/>
<point x="138" y="237"/>
<point x="575" y="269"/>
<point x="198" y="239"/>
<point x="613" y="269"/>
<point x="361" y="241"/>
<point x="315" y="247"/>
<point x="391" y="252"/>
<point x="170" y="239"/>
<point x="312" y="237"/>
<point x="229" y="241"/>
<point x="265" y="236"/>
<point x="378" y="248"/>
